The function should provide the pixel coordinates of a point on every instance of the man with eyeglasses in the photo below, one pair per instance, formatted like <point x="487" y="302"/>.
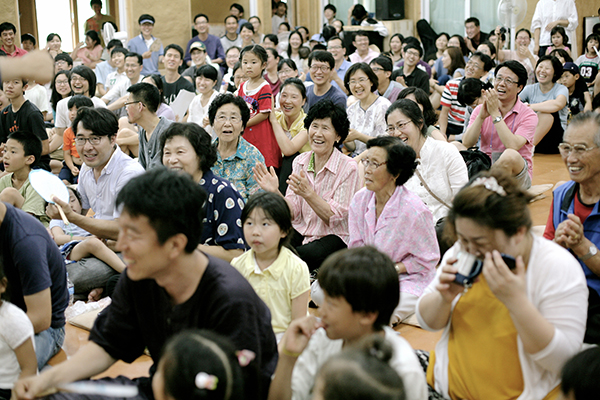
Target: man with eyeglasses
<point x="63" y="62"/>
<point x="363" y="52"/>
<point x="335" y="46"/>
<point x="117" y="95"/>
<point x="505" y="124"/>
<point x="107" y="169"/>
<point x="321" y="65"/>
<point x="574" y="218"/>
<point x="382" y="67"/>
<point x="409" y="74"/>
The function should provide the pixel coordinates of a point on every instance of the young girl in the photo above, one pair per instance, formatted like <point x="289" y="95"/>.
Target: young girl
<point x="198" y="365"/>
<point x="76" y="243"/>
<point x="17" y="354"/>
<point x="588" y="62"/>
<point x="279" y="277"/>
<point x="257" y="93"/>
<point x="560" y="40"/>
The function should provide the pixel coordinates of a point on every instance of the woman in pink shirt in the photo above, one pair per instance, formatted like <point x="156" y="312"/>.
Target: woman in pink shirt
<point x="388" y="216"/>
<point x="90" y="51"/>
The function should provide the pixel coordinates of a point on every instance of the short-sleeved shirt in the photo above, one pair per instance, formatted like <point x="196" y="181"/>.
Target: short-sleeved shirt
<point x="62" y="111"/>
<point x="296" y="127"/>
<point x="115" y="78"/>
<point x="356" y="58"/>
<point x="280" y="283"/>
<point x="588" y="67"/>
<point x="393" y="90"/>
<point x="102" y="71"/>
<point x="38" y="95"/>
<point x="227" y="43"/>
<point x="214" y="48"/>
<point x="15" y="329"/>
<point x="456" y="115"/>
<point x="34" y="203"/>
<point x="171" y="90"/>
<point x="142" y="315"/>
<point x="223" y="223"/>
<point x="370" y="122"/>
<point x="532" y="94"/>
<point x="101" y="195"/>
<point x="32" y="262"/>
<point x="149" y="150"/>
<point x="69" y="142"/>
<point x="237" y="169"/>
<point x="334" y="94"/>
<point x="417" y="78"/>
<point x="17" y="53"/>
<point x="138" y="45"/>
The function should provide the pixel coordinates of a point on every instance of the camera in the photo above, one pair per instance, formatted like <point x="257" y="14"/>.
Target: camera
<point x="469" y="267"/>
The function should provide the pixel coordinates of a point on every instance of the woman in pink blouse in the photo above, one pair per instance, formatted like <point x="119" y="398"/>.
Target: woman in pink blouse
<point x="90" y="51"/>
<point x="388" y="216"/>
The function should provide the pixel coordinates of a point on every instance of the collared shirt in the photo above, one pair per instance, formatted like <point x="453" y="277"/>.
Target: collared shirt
<point x="335" y="183"/>
<point x="149" y="149"/>
<point x="547" y="11"/>
<point x="237" y="169"/>
<point x="101" y="195"/>
<point x="19" y="52"/>
<point x="139" y="45"/>
<point x="521" y="121"/>
<point x="393" y="90"/>
<point x="62" y="111"/>
<point x="356" y="58"/>
<point x="120" y="89"/>
<point x="404" y="231"/>
<point x="277" y="285"/>
<point x="370" y="122"/>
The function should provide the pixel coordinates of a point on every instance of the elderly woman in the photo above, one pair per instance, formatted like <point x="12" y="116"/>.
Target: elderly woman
<point x="228" y="115"/>
<point x="320" y="187"/>
<point x="523" y="317"/>
<point x="386" y="215"/>
<point x="187" y="147"/>
<point x="90" y="51"/>
<point x="367" y="115"/>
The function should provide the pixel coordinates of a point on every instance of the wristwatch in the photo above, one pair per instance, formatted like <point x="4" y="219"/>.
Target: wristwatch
<point x="497" y="119"/>
<point x="593" y="250"/>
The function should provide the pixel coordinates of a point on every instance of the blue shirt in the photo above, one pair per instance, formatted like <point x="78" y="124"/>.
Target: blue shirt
<point x="102" y="70"/>
<point x="334" y="94"/>
<point x="138" y="45"/>
<point x="214" y="48"/>
<point x="341" y="73"/>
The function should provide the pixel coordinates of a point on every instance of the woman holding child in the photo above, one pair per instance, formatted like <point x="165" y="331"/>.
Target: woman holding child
<point x="509" y="335"/>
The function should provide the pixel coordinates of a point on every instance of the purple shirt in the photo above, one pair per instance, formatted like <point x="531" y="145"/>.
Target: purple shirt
<point x="214" y="48"/>
<point x="404" y="231"/>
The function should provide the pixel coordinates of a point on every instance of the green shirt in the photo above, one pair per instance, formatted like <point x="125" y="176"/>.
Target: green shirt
<point x="34" y="203"/>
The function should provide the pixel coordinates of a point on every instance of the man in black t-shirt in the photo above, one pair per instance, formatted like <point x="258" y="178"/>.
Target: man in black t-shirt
<point x="410" y="74"/>
<point x="22" y="115"/>
<point x="168" y="286"/>
<point x="173" y="82"/>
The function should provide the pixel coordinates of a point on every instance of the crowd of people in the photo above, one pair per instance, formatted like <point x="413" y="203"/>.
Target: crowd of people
<point x="307" y="170"/>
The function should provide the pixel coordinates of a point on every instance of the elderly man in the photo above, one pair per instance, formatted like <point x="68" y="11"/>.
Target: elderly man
<point x="574" y="219"/>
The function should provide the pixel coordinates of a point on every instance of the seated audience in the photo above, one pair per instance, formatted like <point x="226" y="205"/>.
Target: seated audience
<point x="590" y="60"/>
<point x="322" y="67"/>
<point x="117" y="57"/>
<point x="395" y="53"/>
<point x="270" y="74"/>
<point x="199" y="59"/>
<point x="213" y="45"/>
<point x="90" y="51"/>
<point x="470" y="95"/>
<point x="429" y="115"/>
<point x="72" y="163"/>
<point x="521" y="318"/>
<point x="363" y="52"/>
<point x="147" y="45"/>
<point x="422" y="65"/>
<point x="206" y="80"/>
<point x="116" y="97"/>
<point x="388" y="88"/>
<point x="335" y="45"/>
<point x="163" y="109"/>
<point x="441" y="44"/>
<point x="474" y="35"/>
<point x="105" y="68"/>
<point x="361" y="291"/>
<point x="453" y="65"/>
<point x="60" y="88"/>
<point x="573" y="218"/>
<point x="9" y="47"/>
<point x="173" y="82"/>
<point x="295" y="52"/>
<point x="54" y="44"/>
<point x="409" y="74"/>
<point x="522" y="54"/>
<point x="580" y="99"/>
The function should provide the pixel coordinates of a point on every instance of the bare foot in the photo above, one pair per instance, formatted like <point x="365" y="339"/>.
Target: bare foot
<point x="95" y="294"/>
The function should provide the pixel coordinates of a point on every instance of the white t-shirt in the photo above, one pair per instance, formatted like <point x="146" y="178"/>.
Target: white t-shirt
<point x="114" y="78"/>
<point x="38" y="96"/>
<point x="15" y="329"/>
<point x="62" y="111"/>
<point x="197" y="112"/>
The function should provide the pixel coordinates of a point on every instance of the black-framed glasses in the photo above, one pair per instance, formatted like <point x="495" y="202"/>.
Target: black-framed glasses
<point x="132" y="102"/>
<point x="399" y="127"/>
<point x="94" y="140"/>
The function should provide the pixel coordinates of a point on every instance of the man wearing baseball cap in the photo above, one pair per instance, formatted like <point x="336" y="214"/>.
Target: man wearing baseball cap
<point x="147" y="45"/>
<point x="579" y="97"/>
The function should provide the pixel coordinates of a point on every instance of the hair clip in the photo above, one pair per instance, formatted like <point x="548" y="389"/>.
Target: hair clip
<point x="490" y="183"/>
<point x="206" y="381"/>
<point x="245" y="357"/>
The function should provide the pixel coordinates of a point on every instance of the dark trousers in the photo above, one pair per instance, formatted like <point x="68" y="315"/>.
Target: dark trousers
<point x="592" y="330"/>
<point x="428" y="38"/>
<point x="286" y="171"/>
<point x="549" y="143"/>
<point x="315" y="252"/>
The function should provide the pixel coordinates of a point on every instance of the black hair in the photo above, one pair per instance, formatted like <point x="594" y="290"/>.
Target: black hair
<point x="144" y="17"/>
<point x="475" y="20"/>
<point x="561" y="31"/>
<point x="319" y="46"/>
<point x="114" y="43"/>
<point x="101" y="121"/>
<point x="32" y="145"/>
<point x="556" y="66"/>
<point x="330" y="7"/>
<point x="517" y="68"/>
<point x="273" y="38"/>
<point x="414" y="46"/>
<point x="328" y="32"/>
<point x="79" y="101"/>
<point x="94" y="36"/>
<point x="384" y="62"/>
<point x="487" y="61"/>
<point x="28" y="36"/>
<point x="255" y="17"/>
<point x="182" y="215"/>
<point x="490" y="45"/>
<point x="442" y="34"/>
<point x="99" y="2"/>
<point x="201" y="15"/>
<point x="337" y="38"/>
<point x="156" y="78"/>
<point x="230" y="16"/>
<point x="429" y="114"/>
<point x="64" y="57"/>
<point x="359" y="12"/>
<point x="501" y="34"/>
<point x="228" y="98"/>
<point x="176" y="47"/>
<point x="286" y="25"/>
<point x="337" y="114"/>
<point x="248" y="26"/>
<point x="233" y="48"/>
<point x="52" y="36"/>
<point x="563" y="54"/>
<point x="401" y="159"/>
<point x="297" y="83"/>
<point x="237" y="7"/>
<point x="257" y="50"/>
<point x="580" y="375"/>
<point x="138" y="57"/>
<point x="121" y="50"/>
<point x="462" y="44"/>
<point x="289" y="48"/>
<point x="321" y="56"/>
<point x="206" y="71"/>
<point x="456" y="60"/>
<point x="275" y="208"/>
<point x="237" y="66"/>
<point x="364" y="67"/>
<point x="411" y="110"/>
<point x="274" y="53"/>
<point x="7" y="26"/>
<point x="55" y="97"/>
<point x="361" y="33"/>
<point x="399" y="36"/>
<point x="4" y="281"/>
<point x="523" y="30"/>
<point x="147" y="93"/>
<point x="287" y="61"/>
<point x="362" y="372"/>
<point x="199" y="139"/>
<point x="591" y="36"/>
<point x="88" y="74"/>
<point x="469" y="90"/>
<point x="111" y="23"/>
<point x="305" y="28"/>
<point x="366" y="278"/>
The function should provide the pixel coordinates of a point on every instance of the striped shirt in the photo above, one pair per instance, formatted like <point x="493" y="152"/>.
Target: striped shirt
<point x="456" y="116"/>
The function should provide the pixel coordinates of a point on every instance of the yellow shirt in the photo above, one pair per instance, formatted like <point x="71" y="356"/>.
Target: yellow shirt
<point x="34" y="203"/>
<point x="297" y="126"/>
<point x="283" y="281"/>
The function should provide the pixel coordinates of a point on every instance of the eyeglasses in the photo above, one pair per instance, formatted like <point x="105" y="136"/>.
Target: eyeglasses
<point x="566" y="149"/>
<point x="94" y="140"/>
<point x="399" y="127"/>
<point x="322" y="68"/>
<point x="473" y="64"/>
<point x="359" y="81"/>
<point x="234" y="119"/>
<point x="132" y="102"/>
<point x="377" y="69"/>
<point x="334" y="47"/>
<point x="78" y="79"/>
<point x="368" y="163"/>
<point x="62" y="82"/>
<point x="285" y="71"/>
<point x="412" y="53"/>
<point x="507" y="81"/>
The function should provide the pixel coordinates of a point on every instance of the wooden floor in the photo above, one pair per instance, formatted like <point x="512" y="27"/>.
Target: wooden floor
<point x="546" y="169"/>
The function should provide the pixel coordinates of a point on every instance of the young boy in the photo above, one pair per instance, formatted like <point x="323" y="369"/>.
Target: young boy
<point x="22" y="115"/>
<point x="72" y="163"/>
<point x="580" y="99"/>
<point x="117" y="59"/>
<point x="358" y="302"/>
<point x="21" y="152"/>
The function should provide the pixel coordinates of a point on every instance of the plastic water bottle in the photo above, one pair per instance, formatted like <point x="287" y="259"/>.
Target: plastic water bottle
<point x="71" y="289"/>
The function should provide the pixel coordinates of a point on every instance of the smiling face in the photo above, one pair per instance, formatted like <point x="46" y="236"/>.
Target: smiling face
<point x="14" y="157"/>
<point x="478" y="240"/>
<point x="271" y="61"/>
<point x="382" y="75"/>
<point x="295" y="41"/>
<point x="446" y="60"/>
<point x="233" y="56"/>
<point x="472" y="30"/>
<point x="411" y="57"/>
<point x="360" y="85"/>
<point x="377" y="179"/>
<point x="201" y="25"/>
<point x="172" y="59"/>
<point x="8" y="38"/>
<point x="361" y="43"/>
<point x="544" y="72"/>
<point x="133" y="69"/>
<point x="291" y="101"/>
<point x="179" y="155"/>
<point x="583" y="168"/>
<point x="441" y="43"/>
<point x="340" y="321"/>
<point x="322" y="136"/>
<point x="61" y="65"/>
<point x="198" y="56"/>
<point x="61" y="83"/>
<point x="134" y="109"/>
<point x="255" y="23"/>
<point x="118" y="60"/>
<point x="454" y="42"/>
<point x="338" y="26"/>
<point x="231" y="25"/>
<point x="474" y="68"/>
<point x="262" y="233"/>
<point x="204" y="85"/>
<point x="336" y="48"/>
<point x="80" y="85"/>
<point x="483" y="48"/>
<point x="89" y="43"/>
<point x="246" y="35"/>
<point x="94" y="156"/>
<point x="146" y="29"/>
<point x="286" y="72"/>
<point x="320" y="72"/>
<point x="239" y="77"/>
<point x="523" y="39"/>
<point x="408" y="132"/>
<point x="506" y="91"/>
<point x="226" y="129"/>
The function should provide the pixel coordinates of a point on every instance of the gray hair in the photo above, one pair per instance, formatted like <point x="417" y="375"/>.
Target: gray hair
<point x="584" y="118"/>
